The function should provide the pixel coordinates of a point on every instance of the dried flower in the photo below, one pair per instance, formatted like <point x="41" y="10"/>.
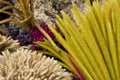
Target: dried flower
<point x="20" y="34"/>
<point x="25" y="64"/>
<point x="38" y="36"/>
<point x="22" y="13"/>
<point x="8" y="43"/>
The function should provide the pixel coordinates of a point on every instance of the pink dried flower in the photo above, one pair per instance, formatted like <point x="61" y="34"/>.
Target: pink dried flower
<point x="37" y="35"/>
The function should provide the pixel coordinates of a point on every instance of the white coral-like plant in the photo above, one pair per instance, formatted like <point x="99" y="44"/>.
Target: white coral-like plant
<point x="25" y="64"/>
<point x="8" y="43"/>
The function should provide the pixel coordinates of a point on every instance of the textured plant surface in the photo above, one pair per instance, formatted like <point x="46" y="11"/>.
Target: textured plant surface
<point x="46" y="10"/>
<point x="27" y="65"/>
<point x="91" y="46"/>
<point x="8" y="43"/>
<point x="24" y="37"/>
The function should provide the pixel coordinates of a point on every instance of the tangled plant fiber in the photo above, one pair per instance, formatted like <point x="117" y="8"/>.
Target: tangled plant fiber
<point x="25" y="64"/>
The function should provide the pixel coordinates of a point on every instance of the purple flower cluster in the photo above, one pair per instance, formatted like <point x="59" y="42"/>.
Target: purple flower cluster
<point x="39" y="36"/>
<point x="21" y="35"/>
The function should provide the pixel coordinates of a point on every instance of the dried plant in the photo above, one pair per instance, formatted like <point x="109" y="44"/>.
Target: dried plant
<point x="91" y="46"/>
<point x="8" y="43"/>
<point x="25" y="64"/>
<point x="22" y="15"/>
<point x="23" y="10"/>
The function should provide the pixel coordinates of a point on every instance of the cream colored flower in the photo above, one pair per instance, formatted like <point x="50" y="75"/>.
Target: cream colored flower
<point x="8" y="43"/>
<point x="25" y="64"/>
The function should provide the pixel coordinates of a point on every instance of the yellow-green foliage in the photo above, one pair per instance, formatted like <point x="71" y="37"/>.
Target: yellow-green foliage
<point x="93" y="43"/>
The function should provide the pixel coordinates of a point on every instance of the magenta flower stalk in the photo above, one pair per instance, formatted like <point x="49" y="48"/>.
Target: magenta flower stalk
<point x="76" y="68"/>
<point x="37" y="35"/>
